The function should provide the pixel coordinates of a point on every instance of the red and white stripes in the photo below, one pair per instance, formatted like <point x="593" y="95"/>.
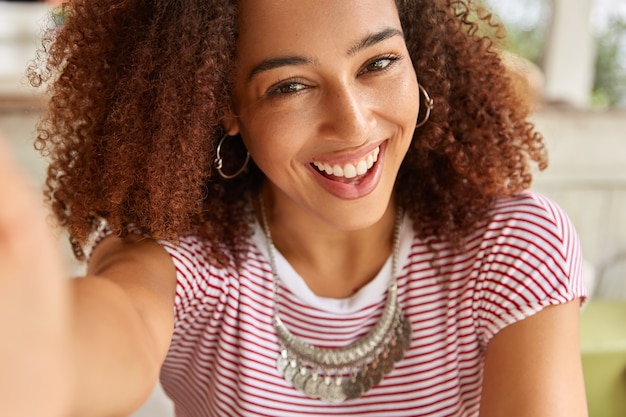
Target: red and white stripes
<point x="223" y="352"/>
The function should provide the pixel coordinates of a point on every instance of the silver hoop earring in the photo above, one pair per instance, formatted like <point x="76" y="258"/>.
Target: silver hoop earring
<point x="428" y="102"/>
<point x="219" y="162"/>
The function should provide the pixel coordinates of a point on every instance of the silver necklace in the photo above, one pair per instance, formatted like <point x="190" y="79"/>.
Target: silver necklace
<point x="338" y="374"/>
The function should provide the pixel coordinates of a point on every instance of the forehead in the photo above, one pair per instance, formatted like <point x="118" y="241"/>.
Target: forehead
<point x="285" y="26"/>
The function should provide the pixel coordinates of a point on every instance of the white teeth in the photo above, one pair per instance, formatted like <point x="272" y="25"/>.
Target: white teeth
<point x="350" y="170"/>
<point x="361" y="168"/>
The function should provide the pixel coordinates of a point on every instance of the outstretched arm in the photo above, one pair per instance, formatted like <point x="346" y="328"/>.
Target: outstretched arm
<point x="35" y="360"/>
<point x="533" y="367"/>
<point x="83" y="347"/>
<point x="123" y="321"/>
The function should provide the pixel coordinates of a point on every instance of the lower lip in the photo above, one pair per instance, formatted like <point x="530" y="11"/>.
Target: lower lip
<point x="366" y="184"/>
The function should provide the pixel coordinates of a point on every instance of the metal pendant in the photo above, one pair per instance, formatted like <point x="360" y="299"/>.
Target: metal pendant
<point x="340" y="384"/>
<point x="334" y="375"/>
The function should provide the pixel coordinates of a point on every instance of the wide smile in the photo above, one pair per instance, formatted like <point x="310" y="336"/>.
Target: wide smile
<point x="351" y="178"/>
<point x="348" y="172"/>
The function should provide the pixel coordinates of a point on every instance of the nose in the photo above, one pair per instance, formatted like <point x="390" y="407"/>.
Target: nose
<point x="348" y="114"/>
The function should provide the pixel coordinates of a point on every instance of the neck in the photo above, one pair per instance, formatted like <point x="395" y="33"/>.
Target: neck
<point x="333" y="262"/>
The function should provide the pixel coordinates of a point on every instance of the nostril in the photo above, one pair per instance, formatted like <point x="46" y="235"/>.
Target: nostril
<point x="349" y="116"/>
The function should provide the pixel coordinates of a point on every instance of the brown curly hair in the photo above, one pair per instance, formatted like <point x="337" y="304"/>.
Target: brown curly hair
<point x="138" y="89"/>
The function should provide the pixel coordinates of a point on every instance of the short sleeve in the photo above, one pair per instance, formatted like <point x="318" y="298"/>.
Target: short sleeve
<point x="200" y="285"/>
<point x="532" y="259"/>
<point x="99" y="234"/>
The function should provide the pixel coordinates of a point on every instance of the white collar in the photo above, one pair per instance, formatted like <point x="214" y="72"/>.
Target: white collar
<point x="363" y="298"/>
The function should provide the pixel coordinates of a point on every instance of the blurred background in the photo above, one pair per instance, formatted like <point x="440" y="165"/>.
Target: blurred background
<point x="573" y="54"/>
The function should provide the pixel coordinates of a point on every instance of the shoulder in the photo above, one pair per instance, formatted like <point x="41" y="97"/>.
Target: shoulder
<point x="196" y="270"/>
<point x="194" y="253"/>
<point x="532" y="236"/>
<point x="530" y="258"/>
<point x="529" y="206"/>
<point x="201" y="280"/>
<point x="533" y="220"/>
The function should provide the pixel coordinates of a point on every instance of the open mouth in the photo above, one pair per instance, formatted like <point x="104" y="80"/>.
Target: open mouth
<point x="350" y="172"/>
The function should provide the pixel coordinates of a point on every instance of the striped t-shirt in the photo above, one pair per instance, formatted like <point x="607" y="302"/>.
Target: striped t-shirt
<point x="222" y="359"/>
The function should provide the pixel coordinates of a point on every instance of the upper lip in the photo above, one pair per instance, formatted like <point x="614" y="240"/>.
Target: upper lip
<point x="348" y="158"/>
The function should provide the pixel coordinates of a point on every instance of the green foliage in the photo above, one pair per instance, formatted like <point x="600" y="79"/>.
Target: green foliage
<point x="609" y="89"/>
<point x="526" y="37"/>
<point x="527" y="43"/>
<point x="526" y="23"/>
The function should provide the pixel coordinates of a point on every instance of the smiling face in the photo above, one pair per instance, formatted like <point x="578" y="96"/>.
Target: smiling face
<point x="326" y="101"/>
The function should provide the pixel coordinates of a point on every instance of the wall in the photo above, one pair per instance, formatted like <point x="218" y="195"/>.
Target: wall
<point x="587" y="177"/>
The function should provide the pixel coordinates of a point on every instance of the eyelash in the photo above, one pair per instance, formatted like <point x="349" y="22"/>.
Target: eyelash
<point x="389" y="57"/>
<point x="283" y="87"/>
<point x="277" y="89"/>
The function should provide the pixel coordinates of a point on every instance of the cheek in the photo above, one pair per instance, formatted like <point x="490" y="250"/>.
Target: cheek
<point x="401" y="101"/>
<point x="271" y="148"/>
<point x="409" y="99"/>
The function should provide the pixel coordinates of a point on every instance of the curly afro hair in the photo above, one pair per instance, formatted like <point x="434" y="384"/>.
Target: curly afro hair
<point x="138" y="90"/>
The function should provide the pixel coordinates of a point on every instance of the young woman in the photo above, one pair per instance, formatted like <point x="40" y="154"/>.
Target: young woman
<point x="309" y="207"/>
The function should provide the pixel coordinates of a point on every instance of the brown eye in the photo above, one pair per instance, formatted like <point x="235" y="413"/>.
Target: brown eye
<point x="379" y="64"/>
<point x="286" y="87"/>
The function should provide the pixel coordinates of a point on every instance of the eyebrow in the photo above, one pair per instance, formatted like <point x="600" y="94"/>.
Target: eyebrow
<point x="374" y="38"/>
<point x="283" y="61"/>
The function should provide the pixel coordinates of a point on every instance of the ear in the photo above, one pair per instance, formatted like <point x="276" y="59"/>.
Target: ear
<point x="230" y="123"/>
